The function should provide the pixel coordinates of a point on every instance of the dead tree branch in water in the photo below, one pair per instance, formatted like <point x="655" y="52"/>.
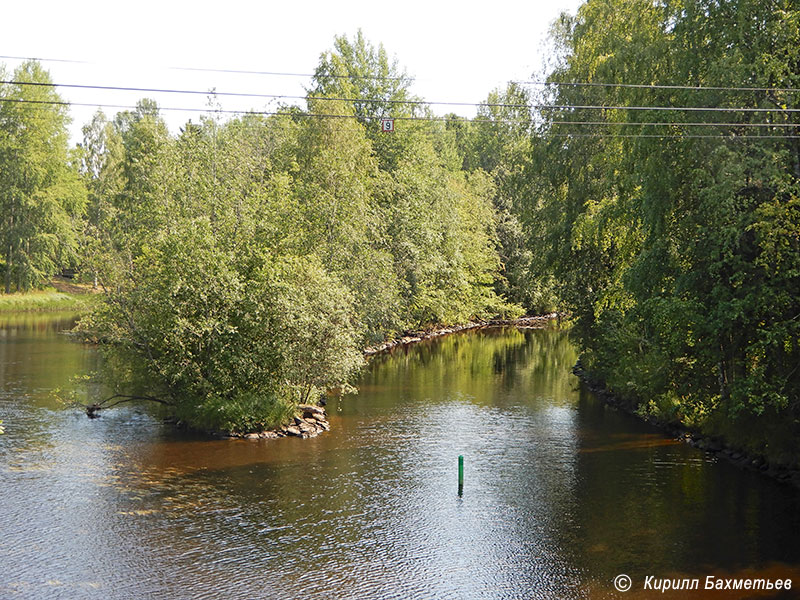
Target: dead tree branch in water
<point x="93" y="409"/>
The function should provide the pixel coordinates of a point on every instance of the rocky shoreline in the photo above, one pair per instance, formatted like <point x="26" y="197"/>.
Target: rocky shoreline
<point x="710" y="444"/>
<point x="309" y="422"/>
<point x="413" y="337"/>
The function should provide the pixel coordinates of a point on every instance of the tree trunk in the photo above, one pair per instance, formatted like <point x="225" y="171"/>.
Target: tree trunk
<point x="8" y="270"/>
<point x="10" y="252"/>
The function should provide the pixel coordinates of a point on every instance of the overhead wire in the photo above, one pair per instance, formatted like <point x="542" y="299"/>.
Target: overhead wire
<point x="447" y="118"/>
<point x="405" y="102"/>
<point x="416" y="102"/>
<point x="673" y="124"/>
<point x="409" y="78"/>
<point x="331" y="75"/>
<point x="306" y="115"/>
<point x="231" y="71"/>
<point x="673" y="136"/>
<point x="60" y="60"/>
<point x="214" y="92"/>
<point x="656" y="86"/>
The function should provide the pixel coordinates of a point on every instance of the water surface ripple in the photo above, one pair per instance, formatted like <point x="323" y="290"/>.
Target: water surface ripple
<point x="561" y="493"/>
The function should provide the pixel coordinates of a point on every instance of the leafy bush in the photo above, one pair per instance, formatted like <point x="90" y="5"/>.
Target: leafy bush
<point x="232" y="336"/>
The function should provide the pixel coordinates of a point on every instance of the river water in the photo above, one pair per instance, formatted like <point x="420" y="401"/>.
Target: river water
<point x="561" y="493"/>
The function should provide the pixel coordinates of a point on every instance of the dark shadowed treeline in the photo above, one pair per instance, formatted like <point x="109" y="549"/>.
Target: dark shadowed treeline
<point x="674" y="235"/>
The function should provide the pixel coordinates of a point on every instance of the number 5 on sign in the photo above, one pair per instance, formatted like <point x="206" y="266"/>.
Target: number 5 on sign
<point x="387" y="125"/>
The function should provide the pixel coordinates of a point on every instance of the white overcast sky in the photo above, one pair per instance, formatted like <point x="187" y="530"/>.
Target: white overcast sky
<point x="456" y="51"/>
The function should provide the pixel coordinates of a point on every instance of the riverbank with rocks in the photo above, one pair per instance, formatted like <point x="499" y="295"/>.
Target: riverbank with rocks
<point x="710" y="444"/>
<point x="413" y="337"/>
<point x="308" y="422"/>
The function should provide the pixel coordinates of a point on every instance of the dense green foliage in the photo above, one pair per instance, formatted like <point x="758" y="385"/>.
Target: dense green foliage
<point x="499" y="141"/>
<point x="247" y="262"/>
<point x="680" y="255"/>
<point x="41" y="196"/>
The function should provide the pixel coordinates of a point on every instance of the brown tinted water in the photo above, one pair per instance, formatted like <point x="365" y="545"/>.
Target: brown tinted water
<point x="561" y="493"/>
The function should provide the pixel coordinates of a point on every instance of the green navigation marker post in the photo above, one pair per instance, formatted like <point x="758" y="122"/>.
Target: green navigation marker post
<point x="460" y="475"/>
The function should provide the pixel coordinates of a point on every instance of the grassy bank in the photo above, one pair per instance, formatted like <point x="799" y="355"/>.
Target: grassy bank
<point x="48" y="299"/>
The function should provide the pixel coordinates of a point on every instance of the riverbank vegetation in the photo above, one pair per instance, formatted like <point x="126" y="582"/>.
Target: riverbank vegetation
<point x="48" y="299"/>
<point x="677" y="245"/>
<point x="650" y="189"/>
<point x="246" y="263"/>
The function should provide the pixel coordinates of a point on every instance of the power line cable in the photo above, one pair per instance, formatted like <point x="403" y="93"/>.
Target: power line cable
<point x="415" y="118"/>
<point x="232" y="71"/>
<point x="429" y="119"/>
<point x="673" y="124"/>
<point x="654" y="86"/>
<point x="410" y="102"/>
<point x="244" y="72"/>
<point x="61" y="60"/>
<point x="257" y="95"/>
<point x="208" y="110"/>
<point x="409" y="78"/>
<point x="666" y="108"/>
<point x="673" y="136"/>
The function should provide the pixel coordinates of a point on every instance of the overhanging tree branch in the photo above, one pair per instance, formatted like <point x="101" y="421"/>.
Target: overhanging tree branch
<point x="93" y="409"/>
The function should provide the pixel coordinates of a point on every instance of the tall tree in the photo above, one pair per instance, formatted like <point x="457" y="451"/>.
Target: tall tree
<point x="102" y="156"/>
<point x="142" y="201"/>
<point x="41" y="194"/>
<point x="360" y="71"/>
<point x="499" y="141"/>
<point x="376" y="87"/>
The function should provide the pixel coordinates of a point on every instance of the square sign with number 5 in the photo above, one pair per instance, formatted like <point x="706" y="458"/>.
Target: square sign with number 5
<point x="387" y="125"/>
